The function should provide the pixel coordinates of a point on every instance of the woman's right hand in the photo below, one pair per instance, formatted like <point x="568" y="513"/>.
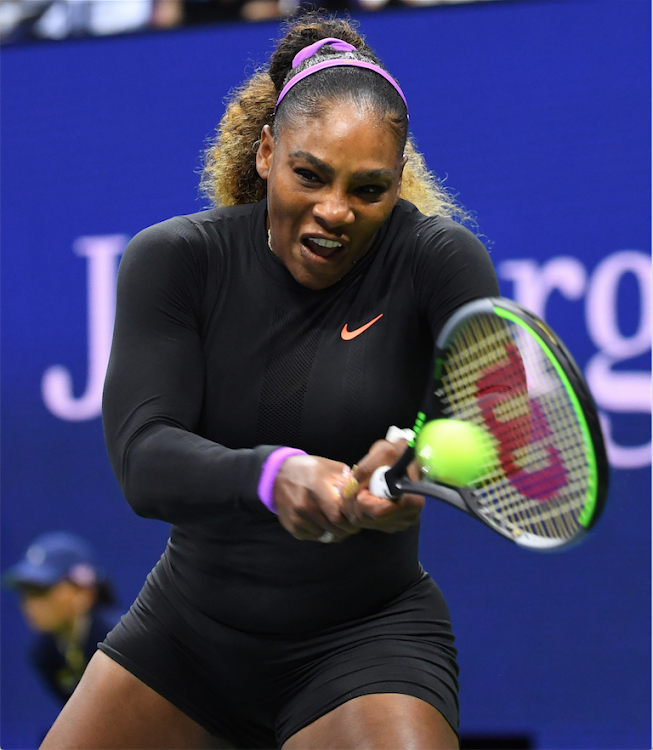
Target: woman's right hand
<point x="367" y="511"/>
<point x="308" y="498"/>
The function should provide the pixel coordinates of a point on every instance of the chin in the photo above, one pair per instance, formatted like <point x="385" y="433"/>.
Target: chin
<point x="317" y="281"/>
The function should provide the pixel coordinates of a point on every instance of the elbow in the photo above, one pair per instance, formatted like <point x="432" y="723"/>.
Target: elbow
<point x="136" y="475"/>
<point x="146" y="496"/>
<point x="142" y="502"/>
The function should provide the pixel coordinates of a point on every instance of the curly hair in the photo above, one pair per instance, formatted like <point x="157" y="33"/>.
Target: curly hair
<point x="229" y="176"/>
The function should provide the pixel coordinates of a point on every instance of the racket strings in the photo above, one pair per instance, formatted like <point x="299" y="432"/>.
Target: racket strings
<point x="478" y="349"/>
<point x="497" y="376"/>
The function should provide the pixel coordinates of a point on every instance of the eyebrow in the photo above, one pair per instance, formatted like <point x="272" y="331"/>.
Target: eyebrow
<point x="370" y="174"/>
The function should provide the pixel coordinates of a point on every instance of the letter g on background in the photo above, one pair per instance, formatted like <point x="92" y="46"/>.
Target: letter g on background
<point x="618" y="391"/>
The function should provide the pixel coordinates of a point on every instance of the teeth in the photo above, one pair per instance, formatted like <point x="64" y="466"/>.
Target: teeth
<point x="325" y="243"/>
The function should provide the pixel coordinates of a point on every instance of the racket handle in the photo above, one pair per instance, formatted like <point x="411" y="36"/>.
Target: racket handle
<point x="382" y="478"/>
<point x="379" y="484"/>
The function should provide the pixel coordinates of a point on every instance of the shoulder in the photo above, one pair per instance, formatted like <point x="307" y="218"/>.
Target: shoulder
<point x="222" y="220"/>
<point x="434" y="246"/>
<point x="190" y="240"/>
<point x="433" y="233"/>
<point x="195" y="228"/>
<point x="447" y="263"/>
<point x="166" y="239"/>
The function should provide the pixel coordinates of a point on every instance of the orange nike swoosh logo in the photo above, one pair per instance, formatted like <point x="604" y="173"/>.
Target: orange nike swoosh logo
<point x="348" y="335"/>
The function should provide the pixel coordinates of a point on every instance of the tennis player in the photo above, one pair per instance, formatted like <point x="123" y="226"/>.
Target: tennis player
<point x="261" y="349"/>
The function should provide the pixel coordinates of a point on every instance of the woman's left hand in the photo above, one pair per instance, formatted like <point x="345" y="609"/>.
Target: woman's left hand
<point x="366" y="511"/>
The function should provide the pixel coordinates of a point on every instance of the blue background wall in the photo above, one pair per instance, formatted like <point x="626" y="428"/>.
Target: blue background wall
<point x="538" y="114"/>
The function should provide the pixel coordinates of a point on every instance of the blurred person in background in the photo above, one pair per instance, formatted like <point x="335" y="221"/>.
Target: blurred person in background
<point x="171" y="13"/>
<point x="62" y="593"/>
<point x="28" y="20"/>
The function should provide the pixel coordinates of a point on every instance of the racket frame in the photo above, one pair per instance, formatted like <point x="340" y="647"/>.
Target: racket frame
<point x="469" y="499"/>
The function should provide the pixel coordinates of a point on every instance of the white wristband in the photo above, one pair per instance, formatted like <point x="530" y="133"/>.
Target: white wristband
<point x="378" y="485"/>
<point x="395" y="434"/>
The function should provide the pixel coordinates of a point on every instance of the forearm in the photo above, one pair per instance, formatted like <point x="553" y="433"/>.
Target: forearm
<point x="173" y="475"/>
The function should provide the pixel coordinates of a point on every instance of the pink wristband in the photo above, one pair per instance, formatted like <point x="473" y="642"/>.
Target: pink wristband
<point x="269" y="472"/>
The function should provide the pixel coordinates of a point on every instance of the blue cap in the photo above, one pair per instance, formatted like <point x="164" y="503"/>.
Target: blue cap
<point x="52" y="558"/>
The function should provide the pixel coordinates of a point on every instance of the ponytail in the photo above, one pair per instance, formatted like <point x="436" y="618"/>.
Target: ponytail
<point x="229" y="177"/>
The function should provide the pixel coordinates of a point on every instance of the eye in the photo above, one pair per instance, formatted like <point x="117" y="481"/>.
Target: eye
<point x="371" y="192"/>
<point x="307" y="175"/>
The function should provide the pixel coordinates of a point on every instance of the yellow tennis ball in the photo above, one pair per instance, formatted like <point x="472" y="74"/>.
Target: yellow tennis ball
<point x="455" y="452"/>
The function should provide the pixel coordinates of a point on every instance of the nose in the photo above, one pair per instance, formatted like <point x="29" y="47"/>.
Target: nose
<point x="333" y="209"/>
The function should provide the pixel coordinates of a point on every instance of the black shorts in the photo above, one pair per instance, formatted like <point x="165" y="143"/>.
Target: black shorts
<point x="256" y="690"/>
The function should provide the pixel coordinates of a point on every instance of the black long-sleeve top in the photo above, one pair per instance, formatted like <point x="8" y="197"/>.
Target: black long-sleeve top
<point x="220" y="356"/>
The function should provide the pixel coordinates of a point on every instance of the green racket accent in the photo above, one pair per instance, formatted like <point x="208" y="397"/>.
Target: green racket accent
<point x="590" y="504"/>
<point x="419" y="423"/>
<point x="438" y="368"/>
<point x="421" y="419"/>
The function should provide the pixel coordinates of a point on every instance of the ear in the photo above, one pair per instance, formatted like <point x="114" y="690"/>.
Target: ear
<point x="264" y="153"/>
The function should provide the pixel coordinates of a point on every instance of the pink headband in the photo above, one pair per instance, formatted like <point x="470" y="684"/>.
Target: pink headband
<point x="340" y="46"/>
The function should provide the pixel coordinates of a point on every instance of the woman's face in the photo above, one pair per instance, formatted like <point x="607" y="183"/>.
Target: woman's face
<point x="331" y="184"/>
<point x="54" y="609"/>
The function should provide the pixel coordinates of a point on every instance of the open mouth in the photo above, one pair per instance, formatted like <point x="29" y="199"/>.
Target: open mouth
<point x="322" y="247"/>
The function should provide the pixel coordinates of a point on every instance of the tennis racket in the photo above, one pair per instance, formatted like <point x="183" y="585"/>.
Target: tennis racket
<point x="501" y="368"/>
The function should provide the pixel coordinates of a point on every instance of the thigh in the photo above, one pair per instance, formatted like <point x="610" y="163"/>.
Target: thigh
<point x="113" y="709"/>
<point x="377" y="722"/>
<point x="406" y="650"/>
<point x="219" y="677"/>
